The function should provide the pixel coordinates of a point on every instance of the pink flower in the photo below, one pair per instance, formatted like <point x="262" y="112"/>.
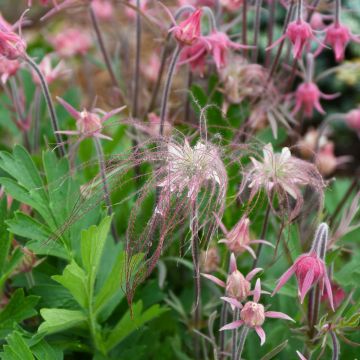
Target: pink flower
<point x="300" y="34"/>
<point x="338" y="37"/>
<point x="238" y="238"/>
<point x="237" y="286"/>
<point x="352" y="119"/>
<point x="88" y="123"/>
<point x="71" y="42"/>
<point x="309" y="270"/>
<point x="151" y="68"/>
<point x="195" y="56"/>
<point x="253" y="314"/>
<point x="104" y="9"/>
<point x="188" y="31"/>
<point x="308" y="98"/>
<point x="8" y="68"/>
<point x="338" y="294"/>
<point x="317" y="21"/>
<point x="50" y="73"/>
<point x="12" y="46"/>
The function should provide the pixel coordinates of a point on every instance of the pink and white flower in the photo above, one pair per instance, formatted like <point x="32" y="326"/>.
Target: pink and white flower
<point x="51" y="73"/>
<point x="8" y="68"/>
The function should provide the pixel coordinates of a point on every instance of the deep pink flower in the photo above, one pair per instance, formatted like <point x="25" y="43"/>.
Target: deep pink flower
<point x="338" y="294"/>
<point x="309" y="270"/>
<point x="300" y="34"/>
<point x="238" y="238"/>
<point x="12" y="46"/>
<point x="308" y="97"/>
<point x="71" y="42"/>
<point x="8" y="68"/>
<point x="253" y="314"/>
<point x="352" y="119"/>
<point x="195" y="56"/>
<point x="50" y="73"/>
<point x="237" y="286"/>
<point x="338" y="37"/>
<point x="188" y="31"/>
<point x="89" y="124"/>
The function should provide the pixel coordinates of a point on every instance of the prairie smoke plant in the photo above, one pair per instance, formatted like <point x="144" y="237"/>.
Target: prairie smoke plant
<point x="12" y="45"/>
<point x="237" y="286"/>
<point x="238" y="238"/>
<point x="8" y="68"/>
<point x="51" y="73"/>
<point x="253" y="314"/>
<point x="310" y="268"/>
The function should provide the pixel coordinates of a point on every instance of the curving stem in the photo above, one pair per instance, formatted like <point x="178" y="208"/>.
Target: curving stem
<point x="242" y="338"/>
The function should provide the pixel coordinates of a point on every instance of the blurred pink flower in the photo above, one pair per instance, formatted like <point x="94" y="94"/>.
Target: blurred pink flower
<point x="89" y="124"/>
<point x="71" y="41"/>
<point x="50" y="73"/>
<point x="195" y="56"/>
<point x="237" y="286"/>
<point x="8" y="68"/>
<point x="308" y="97"/>
<point x="188" y="31"/>
<point x="352" y="119"/>
<point x="253" y="314"/>
<point x="104" y="9"/>
<point x="238" y="238"/>
<point x="338" y="295"/>
<point x="309" y="270"/>
<point x="151" y="68"/>
<point x="210" y="259"/>
<point x="12" y="46"/>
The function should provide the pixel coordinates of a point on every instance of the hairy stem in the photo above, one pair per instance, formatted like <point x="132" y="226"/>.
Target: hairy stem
<point x="235" y="335"/>
<point x="49" y="103"/>
<point x="336" y="345"/>
<point x="166" y="93"/>
<point x="37" y="108"/>
<point x="242" y="338"/>
<point x="223" y="321"/>
<point x="101" y="160"/>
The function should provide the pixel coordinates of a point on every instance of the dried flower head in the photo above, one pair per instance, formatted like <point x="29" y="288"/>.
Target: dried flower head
<point x="210" y="259"/>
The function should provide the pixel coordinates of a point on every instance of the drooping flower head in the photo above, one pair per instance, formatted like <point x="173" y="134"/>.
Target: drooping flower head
<point x="237" y="286"/>
<point x="253" y="314"/>
<point x="88" y="123"/>
<point x="188" y="31"/>
<point x="338" y="294"/>
<point x="282" y="174"/>
<point x="238" y="238"/>
<point x="12" y="45"/>
<point x="8" y="68"/>
<point x="310" y="268"/>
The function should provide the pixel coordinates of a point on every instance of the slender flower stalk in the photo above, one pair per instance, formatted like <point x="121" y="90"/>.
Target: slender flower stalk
<point x="242" y="338"/>
<point x="136" y="83"/>
<point x="258" y="5"/>
<point x="244" y="24"/>
<point x="336" y="345"/>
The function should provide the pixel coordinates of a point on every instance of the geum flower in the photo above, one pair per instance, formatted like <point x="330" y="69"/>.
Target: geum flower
<point x="282" y="174"/>
<point x="309" y="270"/>
<point x="300" y="34"/>
<point x="253" y="314"/>
<point x="307" y="97"/>
<point x="88" y="123"/>
<point x="8" y="68"/>
<point x="238" y="238"/>
<point x="237" y="286"/>
<point x="51" y="73"/>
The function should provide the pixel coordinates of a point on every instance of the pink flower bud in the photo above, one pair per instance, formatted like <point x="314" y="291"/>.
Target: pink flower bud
<point x="338" y="36"/>
<point x="326" y="160"/>
<point x="231" y="5"/>
<point x="88" y="122"/>
<point x="188" y="31"/>
<point x="338" y="294"/>
<point x="237" y="286"/>
<point x="300" y="33"/>
<point x="308" y="98"/>
<point x="353" y="119"/>
<point x="12" y="46"/>
<point x="252" y="314"/>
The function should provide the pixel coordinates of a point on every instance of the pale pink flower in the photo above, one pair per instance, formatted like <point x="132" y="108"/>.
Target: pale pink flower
<point x="12" y="46"/>
<point x="89" y="124"/>
<point x="308" y="97"/>
<point x="71" y="41"/>
<point x="104" y="9"/>
<point x="317" y="21"/>
<point x="300" y="34"/>
<point x="309" y="142"/>
<point x="338" y="37"/>
<point x="150" y="68"/>
<point x="188" y="31"/>
<point x="253" y="314"/>
<point x="238" y="238"/>
<point x="352" y="119"/>
<point x="8" y="68"/>
<point x="51" y="73"/>
<point x="237" y="286"/>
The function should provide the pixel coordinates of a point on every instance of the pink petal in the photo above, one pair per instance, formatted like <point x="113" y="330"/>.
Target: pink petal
<point x="260" y="331"/>
<point x="250" y="250"/>
<point x="252" y="273"/>
<point x="221" y="225"/>
<point x="214" y="279"/>
<point x="102" y="136"/>
<point x="232" y="301"/>
<point x="329" y="289"/>
<point x="278" y="315"/>
<point x="277" y="42"/>
<point x="284" y="278"/>
<point x="233" y="266"/>
<point x="262" y="242"/>
<point x="257" y="291"/>
<point x="306" y="285"/>
<point x="73" y="112"/>
<point x="300" y="355"/>
<point x="110" y="114"/>
<point x="232" y="326"/>
<point x="329" y="96"/>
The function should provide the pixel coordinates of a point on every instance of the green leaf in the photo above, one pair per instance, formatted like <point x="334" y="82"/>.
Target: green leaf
<point x="74" y="279"/>
<point x="128" y="324"/>
<point x="276" y="350"/>
<point x="17" y="349"/>
<point x="92" y="245"/>
<point x="18" y="309"/>
<point x="5" y="238"/>
<point x="57" y="320"/>
<point x="43" y="351"/>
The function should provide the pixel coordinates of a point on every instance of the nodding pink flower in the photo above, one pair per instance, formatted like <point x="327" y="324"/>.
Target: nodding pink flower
<point x="50" y="73"/>
<point x="237" y="286"/>
<point x="8" y="68"/>
<point x="308" y="97"/>
<point x="238" y="238"/>
<point x="352" y="119"/>
<point x="317" y="21"/>
<point x="219" y="45"/>
<point x="71" y="42"/>
<point x="309" y="270"/>
<point x="338" y="295"/>
<point x="195" y="56"/>
<point x="188" y="31"/>
<point x="89" y="124"/>
<point x="338" y="37"/>
<point x="12" y="46"/>
<point x="253" y="314"/>
<point x="300" y="34"/>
